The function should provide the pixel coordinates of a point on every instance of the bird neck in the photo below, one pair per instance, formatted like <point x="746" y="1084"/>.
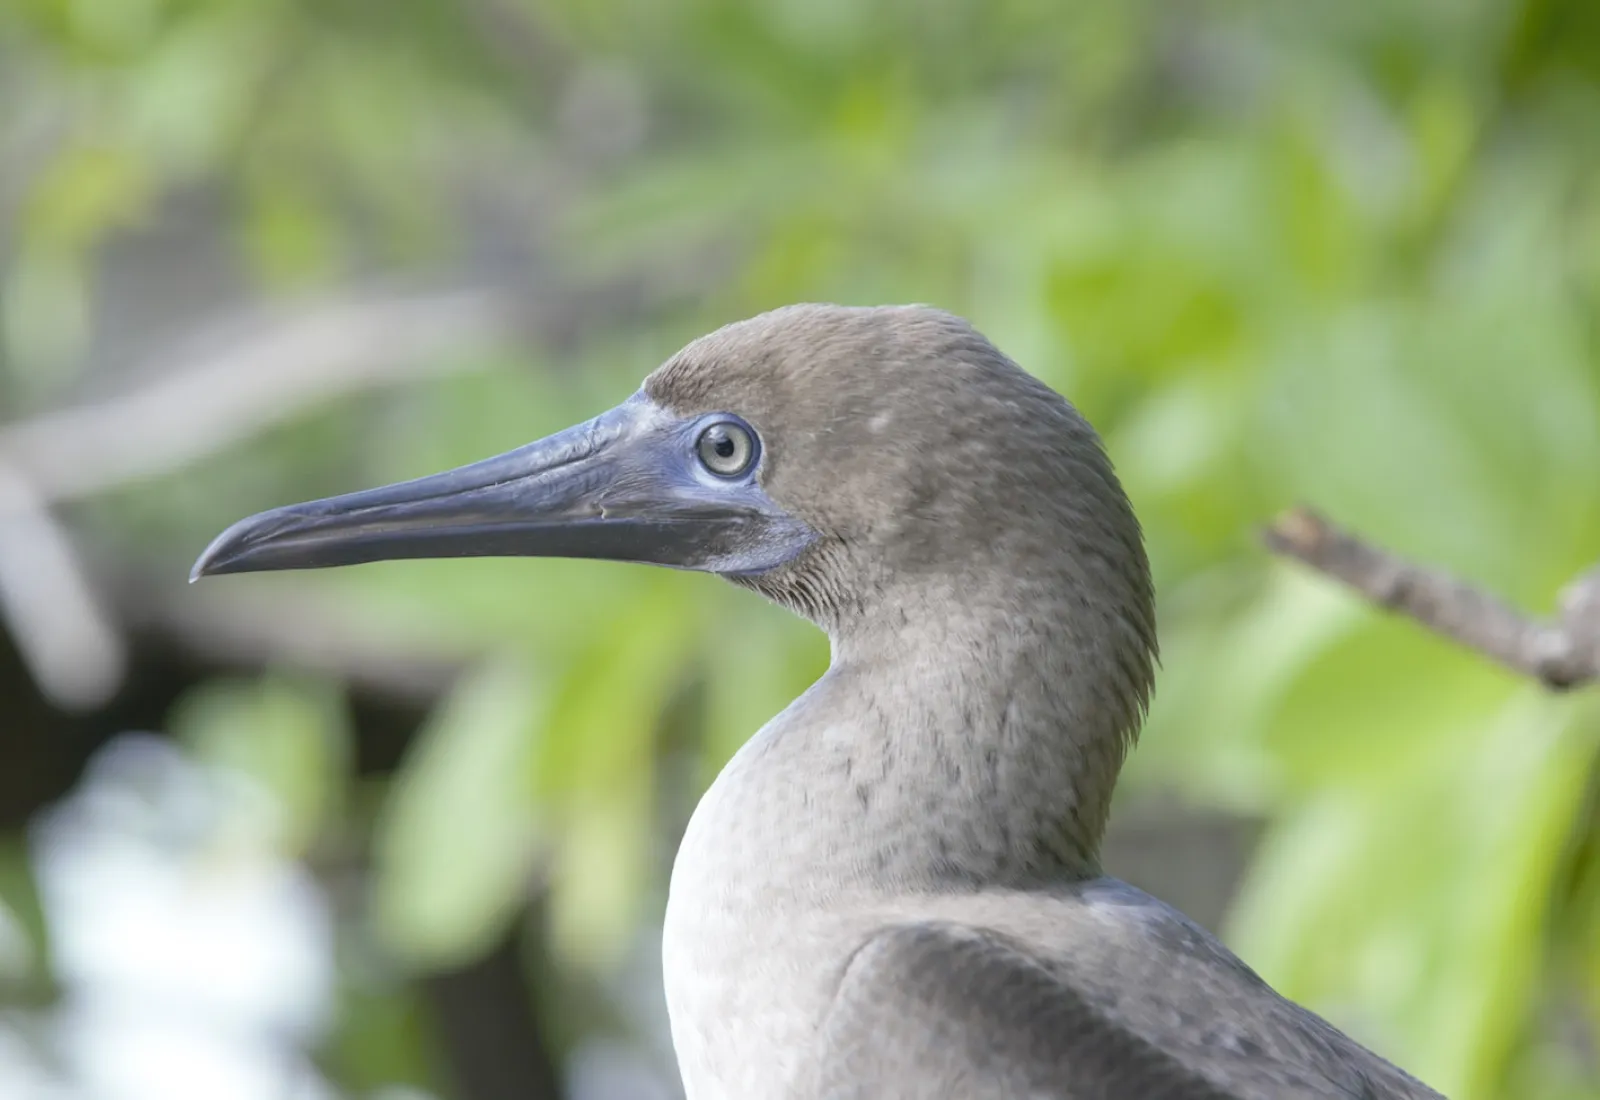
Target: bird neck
<point x="996" y="727"/>
<point x="968" y="732"/>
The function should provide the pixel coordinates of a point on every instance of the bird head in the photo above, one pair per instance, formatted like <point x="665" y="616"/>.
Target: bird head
<point x="845" y="461"/>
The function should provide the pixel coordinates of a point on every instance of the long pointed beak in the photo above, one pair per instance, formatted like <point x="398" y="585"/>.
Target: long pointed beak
<point x="623" y="486"/>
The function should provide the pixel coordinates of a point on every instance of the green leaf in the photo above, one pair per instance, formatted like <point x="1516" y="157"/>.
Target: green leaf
<point x="609" y="698"/>
<point x="776" y="659"/>
<point x="86" y="191"/>
<point x="23" y="931"/>
<point x="290" y="234"/>
<point x="44" y="315"/>
<point x="457" y="839"/>
<point x="602" y="871"/>
<point x="597" y="771"/>
<point x="288" y="735"/>
<point x="1413" y="911"/>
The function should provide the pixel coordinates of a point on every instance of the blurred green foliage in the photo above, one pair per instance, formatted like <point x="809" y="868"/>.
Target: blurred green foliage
<point x="1342" y="253"/>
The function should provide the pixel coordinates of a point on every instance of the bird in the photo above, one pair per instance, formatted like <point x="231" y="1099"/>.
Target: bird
<point x="893" y="889"/>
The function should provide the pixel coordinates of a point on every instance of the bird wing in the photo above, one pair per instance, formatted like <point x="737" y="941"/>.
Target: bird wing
<point x="937" y="1009"/>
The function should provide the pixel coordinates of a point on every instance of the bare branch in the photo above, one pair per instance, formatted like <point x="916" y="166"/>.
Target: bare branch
<point x="1560" y="655"/>
<point x="223" y="389"/>
<point x="64" y="634"/>
<point x="244" y="383"/>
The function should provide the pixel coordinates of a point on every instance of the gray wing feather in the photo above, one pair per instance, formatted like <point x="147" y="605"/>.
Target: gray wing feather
<point x="935" y="1010"/>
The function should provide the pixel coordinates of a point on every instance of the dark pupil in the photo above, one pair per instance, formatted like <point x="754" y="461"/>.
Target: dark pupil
<point x="722" y="443"/>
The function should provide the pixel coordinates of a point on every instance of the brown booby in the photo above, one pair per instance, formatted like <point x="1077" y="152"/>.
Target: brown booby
<point x="894" y="888"/>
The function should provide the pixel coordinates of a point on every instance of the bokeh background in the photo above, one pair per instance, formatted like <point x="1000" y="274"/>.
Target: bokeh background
<point x="401" y="832"/>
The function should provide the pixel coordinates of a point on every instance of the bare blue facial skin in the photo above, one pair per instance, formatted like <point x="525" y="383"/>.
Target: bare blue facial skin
<point x="630" y="485"/>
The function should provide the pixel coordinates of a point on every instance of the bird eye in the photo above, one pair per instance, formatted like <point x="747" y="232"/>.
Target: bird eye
<point x="726" y="449"/>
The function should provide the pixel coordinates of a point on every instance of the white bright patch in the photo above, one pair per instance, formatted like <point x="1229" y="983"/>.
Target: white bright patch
<point x="195" y="960"/>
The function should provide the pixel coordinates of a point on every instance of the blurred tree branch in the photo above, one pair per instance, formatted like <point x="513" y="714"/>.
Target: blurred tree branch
<point x="1561" y="654"/>
<point x="225" y="387"/>
<point x="228" y="387"/>
<point x="63" y="631"/>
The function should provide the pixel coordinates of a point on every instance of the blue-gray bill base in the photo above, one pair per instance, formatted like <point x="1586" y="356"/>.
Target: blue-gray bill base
<point x="894" y="888"/>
